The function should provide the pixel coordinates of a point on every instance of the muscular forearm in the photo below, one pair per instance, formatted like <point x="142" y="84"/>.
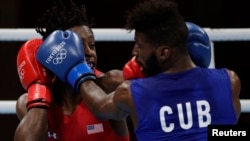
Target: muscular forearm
<point x="110" y="80"/>
<point x="33" y="127"/>
<point x="95" y="98"/>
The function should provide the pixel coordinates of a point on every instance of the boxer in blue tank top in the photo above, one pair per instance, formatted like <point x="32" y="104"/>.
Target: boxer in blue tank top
<point x="180" y="106"/>
<point x="176" y="99"/>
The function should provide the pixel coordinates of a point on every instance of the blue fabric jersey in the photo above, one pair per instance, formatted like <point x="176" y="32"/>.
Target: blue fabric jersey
<point x="178" y="107"/>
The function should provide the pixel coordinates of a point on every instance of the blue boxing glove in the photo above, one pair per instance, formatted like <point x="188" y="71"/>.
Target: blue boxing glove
<point x="62" y="53"/>
<point x="199" y="46"/>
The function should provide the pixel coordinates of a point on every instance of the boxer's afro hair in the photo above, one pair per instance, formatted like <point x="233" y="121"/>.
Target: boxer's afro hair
<point x="61" y="16"/>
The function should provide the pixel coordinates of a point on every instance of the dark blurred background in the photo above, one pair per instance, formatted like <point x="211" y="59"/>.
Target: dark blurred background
<point x="110" y="14"/>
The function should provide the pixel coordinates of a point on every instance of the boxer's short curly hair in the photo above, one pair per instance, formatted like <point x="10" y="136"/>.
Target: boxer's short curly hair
<point x="61" y="16"/>
<point x="159" y="20"/>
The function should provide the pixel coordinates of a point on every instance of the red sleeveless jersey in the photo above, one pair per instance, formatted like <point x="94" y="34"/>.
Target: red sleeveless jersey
<point x="82" y="125"/>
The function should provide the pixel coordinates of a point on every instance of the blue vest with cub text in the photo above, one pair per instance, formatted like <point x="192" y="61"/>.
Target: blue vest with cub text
<point x="173" y="107"/>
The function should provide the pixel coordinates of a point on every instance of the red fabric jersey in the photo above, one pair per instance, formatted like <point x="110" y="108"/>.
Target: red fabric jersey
<point x="82" y="125"/>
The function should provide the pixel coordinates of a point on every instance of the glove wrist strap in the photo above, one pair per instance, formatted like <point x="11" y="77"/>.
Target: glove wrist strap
<point x="38" y="96"/>
<point x="79" y="74"/>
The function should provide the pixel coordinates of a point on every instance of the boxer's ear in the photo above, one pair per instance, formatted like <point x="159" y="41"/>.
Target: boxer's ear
<point x="163" y="52"/>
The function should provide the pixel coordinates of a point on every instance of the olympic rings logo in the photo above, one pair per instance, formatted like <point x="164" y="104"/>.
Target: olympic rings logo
<point x="60" y="56"/>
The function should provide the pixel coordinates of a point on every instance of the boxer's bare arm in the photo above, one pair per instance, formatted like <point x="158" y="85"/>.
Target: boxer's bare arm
<point x="21" y="109"/>
<point x="110" y="80"/>
<point x="236" y="88"/>
<point x="33" y="124"/>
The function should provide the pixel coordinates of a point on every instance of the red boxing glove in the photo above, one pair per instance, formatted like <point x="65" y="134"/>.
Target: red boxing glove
<point x="34" y="78"/>
<point x="131" y="70"/>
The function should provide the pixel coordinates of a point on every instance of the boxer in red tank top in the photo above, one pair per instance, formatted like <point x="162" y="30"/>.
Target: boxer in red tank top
<point x="52" y="110"/>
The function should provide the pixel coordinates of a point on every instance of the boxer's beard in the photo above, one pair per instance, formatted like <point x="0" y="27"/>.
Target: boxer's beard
<point x="153" y="66"/>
